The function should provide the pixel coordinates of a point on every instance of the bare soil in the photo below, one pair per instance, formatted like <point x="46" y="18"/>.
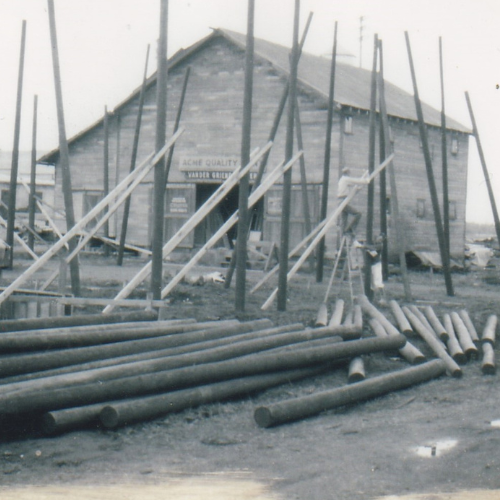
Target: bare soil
<point x="433" y="438"/>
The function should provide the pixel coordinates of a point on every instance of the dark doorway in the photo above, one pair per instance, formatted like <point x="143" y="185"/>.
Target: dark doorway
<point x="218" y="215"/>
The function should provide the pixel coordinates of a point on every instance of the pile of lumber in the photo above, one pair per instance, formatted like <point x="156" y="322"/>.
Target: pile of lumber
<point x="67" y="377"/>
<point x="452" y="341"/>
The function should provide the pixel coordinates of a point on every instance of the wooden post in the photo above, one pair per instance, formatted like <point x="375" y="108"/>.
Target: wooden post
<point x="371" y="166"/>
<point x="106" y="173"/>
<point x="326" y="164"/>
<point x="135" y="147"/>
<point x="11" y="215"/>
<point x="32" y="204"/>
<point x="444" y="158"/>
<point x="287" y="178"/>
<point x="392" y="180"/>
<point x="384" y="149"/>
<point x="63" y="149"/>
<point x="159" y="172"/>
<point x="475" y="132"/>
<point x="241" y="241"/>
<point x="430" y="177"/>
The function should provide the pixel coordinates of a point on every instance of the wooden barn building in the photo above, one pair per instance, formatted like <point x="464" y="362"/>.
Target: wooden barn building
<point x="210" y="147"/>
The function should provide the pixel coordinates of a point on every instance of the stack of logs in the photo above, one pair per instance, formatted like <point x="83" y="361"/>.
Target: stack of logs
<point x="116" y="369"/>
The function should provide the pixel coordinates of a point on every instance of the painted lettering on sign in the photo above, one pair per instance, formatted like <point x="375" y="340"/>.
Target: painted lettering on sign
<point x="178" y="205"/>
<point x="208" y="162"/>
<point x="208" y="175"/>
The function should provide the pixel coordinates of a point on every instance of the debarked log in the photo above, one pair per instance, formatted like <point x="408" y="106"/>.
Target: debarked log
<point x="77" y="320"/>
<point x="464" y="316"/>
<point x="135" y="410"/>
<point x="128" y="387"/>
<point x="488" y="364"/>
<point x="307" y="406"/>
<point x="463" y="336"/>
<point x="434" y="343"/>
<point x="489" y="329"/>
<point x="400" y="318"/>
<point x="437" y="326"/>
<point x="453" y="345"/>
<point x="356" y="371"/>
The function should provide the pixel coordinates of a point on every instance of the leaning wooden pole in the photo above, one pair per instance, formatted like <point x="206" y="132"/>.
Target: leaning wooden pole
<point x="320" y="254"/>
<point x="133" y="160"/>
<point x="159" y="172"/>
<point x="32" y="200"/>
<point x="444" y="158"/>
<point x="106" y="172"/>
<point x="244" y="184"/>
<point x="392" y="181"/>
<point x="63" y="149"/>
<point x="287" y="178"/>
<point x="430" y="177"/>
<point x="11" y="216"/>
<point x="371" y="167"/>
<point x="475" y="131"/>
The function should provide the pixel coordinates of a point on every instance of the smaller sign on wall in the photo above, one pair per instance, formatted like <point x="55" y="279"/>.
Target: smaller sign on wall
<point x="178" y="205"/>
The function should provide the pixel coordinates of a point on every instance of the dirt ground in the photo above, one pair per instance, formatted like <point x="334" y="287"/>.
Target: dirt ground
<point x="439" y="440"/>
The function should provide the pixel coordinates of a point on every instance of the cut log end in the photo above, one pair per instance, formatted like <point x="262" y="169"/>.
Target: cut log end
<point x="263" y="417"/>
<point x="109" y="417"/>
<point x="488" y="369"/>
<point x="48" y="424"/>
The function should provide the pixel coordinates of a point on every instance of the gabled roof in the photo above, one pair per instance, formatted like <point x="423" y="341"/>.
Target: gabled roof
<point x="352" y="84"/>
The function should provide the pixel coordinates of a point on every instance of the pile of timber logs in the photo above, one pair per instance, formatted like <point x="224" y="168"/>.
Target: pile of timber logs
<point x="454" y="341"/>
<point x="113" y="370"/>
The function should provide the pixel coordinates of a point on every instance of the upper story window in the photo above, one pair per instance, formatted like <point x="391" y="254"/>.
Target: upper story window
<point x="348" y="124"/>
<point x="454" y="145"/>
<point x="420" y="208"/>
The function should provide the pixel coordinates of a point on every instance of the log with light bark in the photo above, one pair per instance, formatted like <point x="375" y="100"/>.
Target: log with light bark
<point x="488" y="363"/>
<point x="356" y="371"/>
<point x="436" y="325"/>
<point x="422" y="318"/>
<point x="434" y="343"/>
<point x="403" y="324"/>
<point x="17" y="402"/>
<point x="490" y="329"/>
<point x="307" y="406"/>
<point x="463" y="336"/>
<point x="464" y="316"/>
<point x="453" y="345"/>
<point x="16" y="325"/>
<point x="336" y="318"/>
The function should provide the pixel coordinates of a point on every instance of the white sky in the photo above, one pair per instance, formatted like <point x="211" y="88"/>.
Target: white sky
<point x="102" y="46"/>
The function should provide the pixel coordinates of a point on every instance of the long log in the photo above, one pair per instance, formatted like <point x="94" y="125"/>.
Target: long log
<point x="57" y="422"/>
<point x="488" y="363"/>
<point x="464" y="315"/>
<point x="421" y="316"/>
<point x="126" y="412"/>
<point x="307" y="406"/>
<point x="17" y="325"/>
<point x="408" y="352"/>
<point x="490" y="329"/>
<point x="437" y="326"/>
<point x="400" y="318"/>
<point x="434" y="343"/>
<point x="463" y="336"/>
<point x="453" y="345"/>
<point x="25" y="363"/>
<point x="156" y="353"/>
<point x="336" y="318"/>
<point x="128" y="387"/>
<point x="292" y="341"/>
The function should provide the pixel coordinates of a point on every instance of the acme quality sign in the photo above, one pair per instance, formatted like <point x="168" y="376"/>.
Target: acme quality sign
<point x="210" y="168"/>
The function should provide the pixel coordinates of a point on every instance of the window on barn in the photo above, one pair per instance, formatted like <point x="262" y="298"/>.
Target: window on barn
<point x="90" y="200"/>
<point x="454" y="145"/>
<point x="420" y="208"/>
<point x="388" y="209"/>
<point x="5" y="203"/>
<point x="452" y="208"/>
<point x="348" y="125"/>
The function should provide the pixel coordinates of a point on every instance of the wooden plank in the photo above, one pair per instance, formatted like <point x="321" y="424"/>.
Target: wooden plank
<point x="83" y="301"/>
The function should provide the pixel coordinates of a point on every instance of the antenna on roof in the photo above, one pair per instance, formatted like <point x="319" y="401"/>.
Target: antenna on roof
<point x="361" y="41"/>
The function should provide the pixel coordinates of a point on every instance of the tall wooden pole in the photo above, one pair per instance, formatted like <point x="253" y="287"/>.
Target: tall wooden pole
<point x="287" y="178"/>
<point x="392" y="180"/>
<point x="133" y="160"/>
<point x="475" y="131"/>
<point x="384" y="146"/>
<point x="430" y="177"/>
<point x="159" y="173"/>
<point x="106" y="173"/>
<point x="63" y="150"/>
<point x="371" y="167"/>
<point x="241" y="241"/>
<point x="32" y="201"/>
<point x="11" y="216"/>
<point x="326" y="164"/>
<point x="444" y="158"/>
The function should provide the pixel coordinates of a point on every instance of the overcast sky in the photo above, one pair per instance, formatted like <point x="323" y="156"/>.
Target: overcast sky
<point x="103" y="43"/>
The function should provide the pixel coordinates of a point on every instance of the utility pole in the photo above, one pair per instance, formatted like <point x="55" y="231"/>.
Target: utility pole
<point x="32" y="201"/>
